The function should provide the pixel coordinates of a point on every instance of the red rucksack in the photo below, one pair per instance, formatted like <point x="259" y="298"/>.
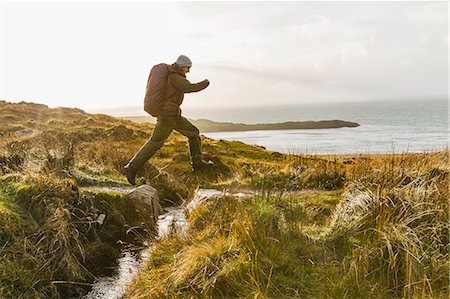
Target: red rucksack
<point x="156" y="89"/>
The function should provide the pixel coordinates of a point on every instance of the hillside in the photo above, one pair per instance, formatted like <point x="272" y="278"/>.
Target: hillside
<point x="206" y="125"/>
<point x="309" y="226"/>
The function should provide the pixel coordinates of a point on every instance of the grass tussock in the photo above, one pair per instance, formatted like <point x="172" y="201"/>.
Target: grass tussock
<point x="400" y="234"/>
<point x="51" y="242"/>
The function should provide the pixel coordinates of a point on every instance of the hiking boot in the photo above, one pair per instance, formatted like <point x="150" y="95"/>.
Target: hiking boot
<point x="130" y="174"/>
<point x="201" y="164"/>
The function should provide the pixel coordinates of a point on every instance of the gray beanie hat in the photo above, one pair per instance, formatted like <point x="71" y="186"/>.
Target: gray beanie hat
<point x="184" y="61"/>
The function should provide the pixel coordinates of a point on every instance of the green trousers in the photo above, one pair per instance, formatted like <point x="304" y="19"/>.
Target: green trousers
<point x="165" y="126"/>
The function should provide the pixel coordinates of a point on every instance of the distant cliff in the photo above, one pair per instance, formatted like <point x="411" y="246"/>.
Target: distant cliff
<point x="211" y="126"/>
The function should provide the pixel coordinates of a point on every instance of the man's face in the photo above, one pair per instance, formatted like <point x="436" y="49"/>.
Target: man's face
<point x="185" y="69"/>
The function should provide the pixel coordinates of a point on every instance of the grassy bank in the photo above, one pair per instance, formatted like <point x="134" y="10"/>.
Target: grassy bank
<point x="329" y="227"/>
<point x="317" y="226"/>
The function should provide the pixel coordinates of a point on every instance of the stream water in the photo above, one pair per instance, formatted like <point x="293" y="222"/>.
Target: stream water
<point x="130" y="263"/>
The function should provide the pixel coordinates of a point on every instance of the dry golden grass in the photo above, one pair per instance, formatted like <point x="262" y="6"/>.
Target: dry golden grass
<point x="330" y="226"/>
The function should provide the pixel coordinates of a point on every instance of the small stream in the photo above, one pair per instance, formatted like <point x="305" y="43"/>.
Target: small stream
<point x="130" y="263"/>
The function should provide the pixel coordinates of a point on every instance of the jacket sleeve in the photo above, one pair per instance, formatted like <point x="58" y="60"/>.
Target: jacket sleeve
<point x="183" y="84"/>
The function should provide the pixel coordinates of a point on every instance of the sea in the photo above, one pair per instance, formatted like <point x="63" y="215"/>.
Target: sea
<point x="386" y="126"/>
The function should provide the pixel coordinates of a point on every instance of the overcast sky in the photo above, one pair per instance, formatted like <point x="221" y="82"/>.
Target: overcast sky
<point x="98" y="54"/>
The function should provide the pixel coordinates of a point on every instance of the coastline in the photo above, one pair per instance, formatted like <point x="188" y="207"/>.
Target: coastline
<point x="210" y="126"/>
<point x="345" y="156"/>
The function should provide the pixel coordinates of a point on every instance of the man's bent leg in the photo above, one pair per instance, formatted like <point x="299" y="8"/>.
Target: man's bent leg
<point x="187" y="129"/>
<point x="195" y="144"/>
<point x="160" y="134"/>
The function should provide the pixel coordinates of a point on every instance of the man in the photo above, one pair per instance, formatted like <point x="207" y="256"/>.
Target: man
<point x="170" y="119"/>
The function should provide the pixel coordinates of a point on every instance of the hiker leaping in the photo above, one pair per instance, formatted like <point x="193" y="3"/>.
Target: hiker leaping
<point x="166" y="87"/>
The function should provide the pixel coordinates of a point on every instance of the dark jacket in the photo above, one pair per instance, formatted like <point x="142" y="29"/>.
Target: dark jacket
<point x="177" y="86"/>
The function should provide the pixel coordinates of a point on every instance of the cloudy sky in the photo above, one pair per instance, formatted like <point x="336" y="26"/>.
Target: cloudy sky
<point x="95" y="55"/>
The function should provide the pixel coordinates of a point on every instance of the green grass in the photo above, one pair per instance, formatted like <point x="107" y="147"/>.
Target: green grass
<point x="370" y="226"/>
<point x="239" y="248"/>
<point x="384" y="235"/>
<point x="49" y="233"/>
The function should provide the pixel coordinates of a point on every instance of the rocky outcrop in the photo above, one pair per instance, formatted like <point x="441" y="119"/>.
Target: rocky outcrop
<point x="143" y="207"/>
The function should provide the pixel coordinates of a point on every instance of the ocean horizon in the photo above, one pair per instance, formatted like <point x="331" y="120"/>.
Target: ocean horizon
<point x="385" y="127"/>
